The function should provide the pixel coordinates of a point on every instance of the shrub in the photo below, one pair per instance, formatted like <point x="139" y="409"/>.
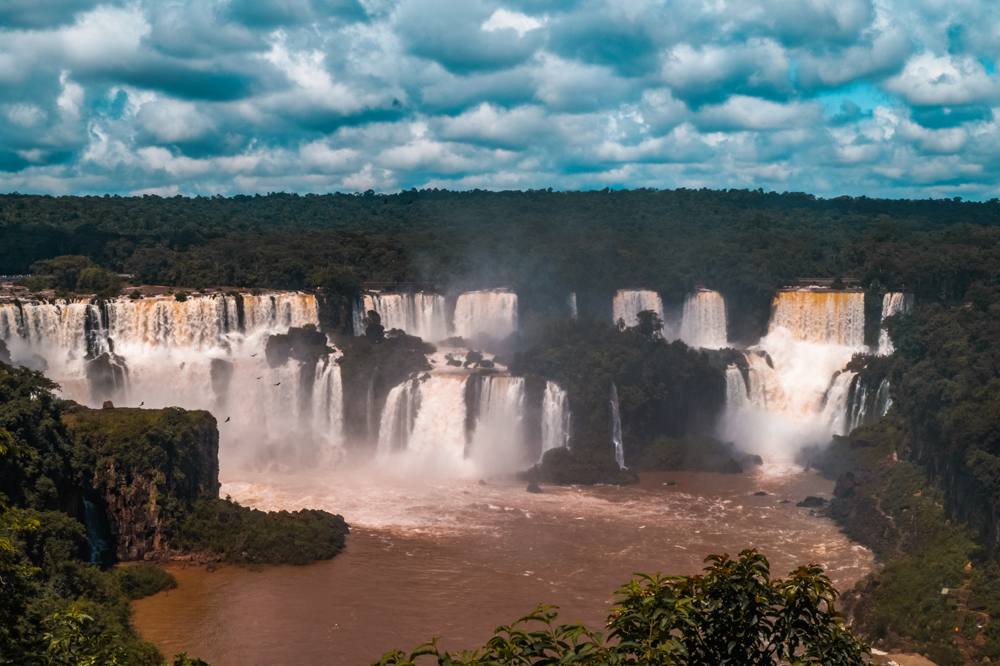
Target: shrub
<point x="732" y="614"/>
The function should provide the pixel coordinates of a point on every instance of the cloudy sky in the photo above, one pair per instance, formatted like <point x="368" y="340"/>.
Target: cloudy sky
<point x="890" y="98"/>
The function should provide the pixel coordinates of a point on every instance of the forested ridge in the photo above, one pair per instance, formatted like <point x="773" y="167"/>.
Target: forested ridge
<point x="542" y="244"/>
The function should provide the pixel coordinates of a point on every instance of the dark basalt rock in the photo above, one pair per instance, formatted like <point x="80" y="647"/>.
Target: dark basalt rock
<point x="563" y="467"/>
<point x="760" y="493"/>
<point x="785" y="502"/>
<point x="108" y="405"/>
<point x="811" y="502"/>
<point x="671" y="483"/>
<point x="846" y="483"/>
<point x="533" y="488"/>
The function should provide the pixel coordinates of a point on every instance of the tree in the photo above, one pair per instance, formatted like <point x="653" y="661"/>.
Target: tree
<point x="96" y="280"/>
<point x="374" y="330"/>
<point x="65" y="271"/>
<point x="733" y="614"/>
<point x="650" y="324"/>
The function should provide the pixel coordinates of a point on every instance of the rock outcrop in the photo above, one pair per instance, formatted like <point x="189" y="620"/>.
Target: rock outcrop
<point x="148" y="466"/>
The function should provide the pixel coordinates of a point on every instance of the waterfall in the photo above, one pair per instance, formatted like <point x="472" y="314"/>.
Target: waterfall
<point x="837" y="399"/>
<point x="629" y="303"/>
<point x="399" y="417"/>
<point x="893" y="303"/>
<point x="202" y="322"/>
<point x="616" y="428"/>
<point x="328" y="408"/>
<point x="60" y="326"/>
<point x="206" y="352"/>
<point x="360" y="312"/>
<point x="555" y="417"/>
<point x="423" y="426"/>
<point x="420" y="314"/>
<point x="797" y="385"/>
<point x="571" y="301"/>
<point x="821" y="317"/>
<point x="704" y="322"/>
<point x="737" y="396"/>
<point x="96" y="543"/>
<point x="864" y="406"/>
<point x="492" y="312"/>
<point x="498" y="438"/>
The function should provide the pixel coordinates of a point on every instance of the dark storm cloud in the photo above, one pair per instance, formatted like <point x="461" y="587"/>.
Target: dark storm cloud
<point x="878" y="97"/>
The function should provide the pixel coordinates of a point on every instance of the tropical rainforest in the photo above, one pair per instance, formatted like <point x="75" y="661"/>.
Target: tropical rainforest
<point x="921" y="487"/>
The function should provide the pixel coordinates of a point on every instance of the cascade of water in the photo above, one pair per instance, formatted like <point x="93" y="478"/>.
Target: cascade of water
<point x="92" y="524"/>
<point x="492" y="312"/>
<point x="865" y="406"/>
<point x="813" y="336"/>
<point x="328" y="408"/>
<point x="498" y="439"/>
<point x="837" y="410"/>
<point x="629" y="303"/>
<point x="202" y="322"/>
<point x="737" y="396"/>
<point x="704" y="322"/>
<point x="616" y="429"/>
<point x="399" y="417"/>
<point x="420" y="314"/>
<point x="821" y="317"/>
<point x="360" y="311"/>
<point x="46" y="326"/>
<point x="758" y="389"/>
<point x="893" y="303"/>
<point x="572" y="305"/>
<point x="437" y="436"/>
<point x="555" y="417"/>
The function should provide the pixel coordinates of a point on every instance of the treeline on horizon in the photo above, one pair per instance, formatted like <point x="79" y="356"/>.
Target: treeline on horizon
<point x="542" y="244"/>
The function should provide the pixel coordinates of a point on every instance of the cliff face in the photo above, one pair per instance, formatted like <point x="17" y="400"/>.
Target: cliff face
<point x="149" y="467"/>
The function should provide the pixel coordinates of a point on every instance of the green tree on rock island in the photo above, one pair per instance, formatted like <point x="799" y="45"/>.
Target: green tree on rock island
<point x="733" y="614"/>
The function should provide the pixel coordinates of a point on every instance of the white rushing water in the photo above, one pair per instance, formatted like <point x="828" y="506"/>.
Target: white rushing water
<point x="498" y="444"/>
<point x="616" y="429"/>
<point x="893" y="303"/>
<point x="433" y="411"/>
<point x="865" y="406"/>
<point x="493" y="312"/>
<point x="195" y="354"/>
<point x="629" y="303"/>
<point x="571" y="301"/>
<point x="555" y="417"/>
<point x="796" y="395"/>
<point x="737" y="397"/>
<point x="704" y="322"/>
<point x="420" y="314"/>
<point x="328" y="408"/>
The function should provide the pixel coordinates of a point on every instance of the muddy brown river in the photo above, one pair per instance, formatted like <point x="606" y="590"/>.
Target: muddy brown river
<point x="454" y="558"/>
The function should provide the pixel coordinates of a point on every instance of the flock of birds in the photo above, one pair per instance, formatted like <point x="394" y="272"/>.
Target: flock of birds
<point x="227" y="418"/>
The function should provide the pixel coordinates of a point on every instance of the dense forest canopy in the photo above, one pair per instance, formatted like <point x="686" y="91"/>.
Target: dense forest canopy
<point x="541" y="243"/>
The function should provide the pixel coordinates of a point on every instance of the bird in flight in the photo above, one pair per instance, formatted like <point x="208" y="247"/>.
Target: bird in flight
<point x="278" y="384"/>
<point x="258" y="378"/>
<point x="227" y="420"/>
<point x="142" y="403"/>
<point x="252" y="355"/>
